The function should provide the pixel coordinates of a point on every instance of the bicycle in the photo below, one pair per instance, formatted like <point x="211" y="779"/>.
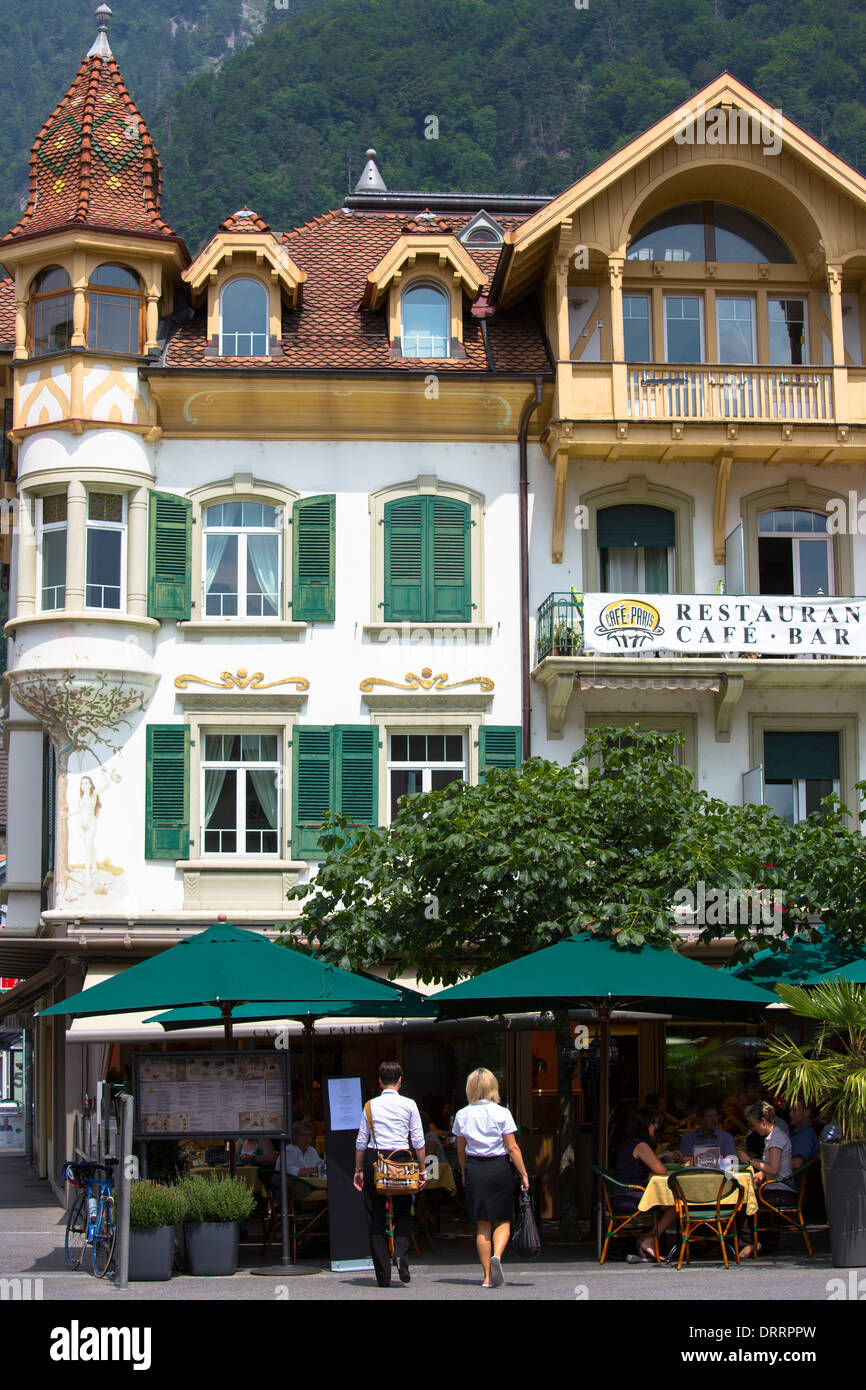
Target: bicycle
<point x="91" y="1217"/>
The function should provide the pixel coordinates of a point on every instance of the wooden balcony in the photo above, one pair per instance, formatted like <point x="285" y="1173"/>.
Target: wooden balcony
<point x="771" y="394"/>
<point x="669" y="410"/>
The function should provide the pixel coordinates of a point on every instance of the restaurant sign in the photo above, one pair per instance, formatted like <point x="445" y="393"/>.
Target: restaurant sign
<point x="707" y="624"/>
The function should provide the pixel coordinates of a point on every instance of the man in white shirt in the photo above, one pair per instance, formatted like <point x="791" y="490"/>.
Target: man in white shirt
<point x="302" y="1158"/>
<point x="396" y="1126"/>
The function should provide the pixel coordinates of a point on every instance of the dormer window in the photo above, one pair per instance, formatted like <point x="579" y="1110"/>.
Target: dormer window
<point x="51" y="312"/>
<point x="114" y="311"/>
<point x="425" y="313"/>
<point x="483" y="230"/>
<point x="244" y="319"/>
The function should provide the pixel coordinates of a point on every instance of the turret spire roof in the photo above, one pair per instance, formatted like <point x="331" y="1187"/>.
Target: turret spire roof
<point x="93" y="162"/>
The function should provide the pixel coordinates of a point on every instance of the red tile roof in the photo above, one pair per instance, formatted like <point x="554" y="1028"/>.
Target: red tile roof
<point x="338" y="251"/>
<point x="93" y="162"/>
<point x="244" y="220"/>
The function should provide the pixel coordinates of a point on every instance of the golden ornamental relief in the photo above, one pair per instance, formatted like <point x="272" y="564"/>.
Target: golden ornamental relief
<point x="241" y="680"/>
<point x="426" y="681"/>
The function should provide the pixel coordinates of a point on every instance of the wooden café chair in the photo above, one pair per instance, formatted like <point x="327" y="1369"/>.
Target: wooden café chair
<point x="306" y="1219"/>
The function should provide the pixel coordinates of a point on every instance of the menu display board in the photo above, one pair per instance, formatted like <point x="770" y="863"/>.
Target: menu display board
<point x="210" y="1094"/>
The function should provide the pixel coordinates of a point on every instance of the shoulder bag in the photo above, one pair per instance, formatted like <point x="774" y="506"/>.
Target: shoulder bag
<point x="392" y="1178"/>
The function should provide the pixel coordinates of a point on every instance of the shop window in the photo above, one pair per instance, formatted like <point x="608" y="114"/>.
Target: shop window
<point x="50" y="312"/>
<point x="114" y="311"/>
<point x="795" y="553"/>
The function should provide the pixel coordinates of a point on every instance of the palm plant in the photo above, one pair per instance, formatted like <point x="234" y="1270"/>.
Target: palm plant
<point x="830" y="1071"/>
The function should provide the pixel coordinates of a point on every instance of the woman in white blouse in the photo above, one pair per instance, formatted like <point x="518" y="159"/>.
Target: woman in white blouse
<point x="486" y="1149"/>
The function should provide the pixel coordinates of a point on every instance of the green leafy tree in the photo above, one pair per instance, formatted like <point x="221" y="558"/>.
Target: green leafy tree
<point x="830" y="1072"/>
<point x="473" y="876"/>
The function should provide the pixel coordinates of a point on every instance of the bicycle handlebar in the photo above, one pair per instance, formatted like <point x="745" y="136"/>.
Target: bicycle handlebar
<point x="75" y="1171"/>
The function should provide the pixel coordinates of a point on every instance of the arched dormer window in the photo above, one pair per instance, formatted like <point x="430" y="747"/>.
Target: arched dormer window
<point x="708" y="231"/>
<point x="50" y="311"/>
<point x="114" y="311"/>
<point x="244" y="319"/>
<point x="424" y="322"/>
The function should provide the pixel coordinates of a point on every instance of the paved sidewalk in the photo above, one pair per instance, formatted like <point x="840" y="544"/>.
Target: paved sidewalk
<point x="32" y="1226"/>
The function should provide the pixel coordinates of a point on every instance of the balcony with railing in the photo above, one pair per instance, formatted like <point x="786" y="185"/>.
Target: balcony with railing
<point x="711" y="643"/>
<point x="650" y="392"/>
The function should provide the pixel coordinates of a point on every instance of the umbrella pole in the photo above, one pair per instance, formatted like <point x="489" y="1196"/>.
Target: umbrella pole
<point x="226" y="1010"/>
<point x="603" y="1099"/>
<point x="309" y="1025"/>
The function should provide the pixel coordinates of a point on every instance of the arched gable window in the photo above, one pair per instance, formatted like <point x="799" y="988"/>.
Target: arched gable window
<point x="244" y="319"/>
<point x="424" y="322"/>
<point x="708" y="231"/>
<point x="114" y="310"/>
<point x="50" y="311"/>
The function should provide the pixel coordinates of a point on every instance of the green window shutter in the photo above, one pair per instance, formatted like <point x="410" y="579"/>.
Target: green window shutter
<point x="312" y="787"/>
<point x="313" y="559"/>
<point x="404" y="559"/>
<point x="166" y="824"/>
<point x="448" y="589"/>
<point x="169" y="556"/>
<point x="356" y="763"/>
<point x="499" y="747"/>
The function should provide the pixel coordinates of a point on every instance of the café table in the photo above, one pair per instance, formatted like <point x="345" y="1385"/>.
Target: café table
<point x="658" y="1194"/>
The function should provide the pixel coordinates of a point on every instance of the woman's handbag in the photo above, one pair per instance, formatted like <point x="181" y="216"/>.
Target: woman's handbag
<point x="525" y="1237"/>
<point x="390" y="1178"/>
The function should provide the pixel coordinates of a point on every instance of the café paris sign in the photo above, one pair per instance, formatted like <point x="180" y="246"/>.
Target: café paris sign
<point x="709" y="623"/>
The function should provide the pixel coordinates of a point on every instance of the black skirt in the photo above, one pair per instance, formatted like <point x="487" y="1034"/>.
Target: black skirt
<point x="490" y="1189"/>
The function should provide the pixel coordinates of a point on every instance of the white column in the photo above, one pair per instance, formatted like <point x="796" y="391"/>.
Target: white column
<point x="76" y="543"/>
<point x="26" y="556"/>
<point x="136" y="554"/>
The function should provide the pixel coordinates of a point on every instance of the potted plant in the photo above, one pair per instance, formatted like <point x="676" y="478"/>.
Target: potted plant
<point x="214" y="1210"/>
<point x="828" y="1073"/>
<point x="155" y="1209"/>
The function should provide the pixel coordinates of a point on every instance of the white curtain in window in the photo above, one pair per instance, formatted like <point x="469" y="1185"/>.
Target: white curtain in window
<point x="623" y="569"/>
<point x="216" y="546"/>
<point x="264" y="781"/>
<point x="214" y="779"/>
<point x="263" y="555"/>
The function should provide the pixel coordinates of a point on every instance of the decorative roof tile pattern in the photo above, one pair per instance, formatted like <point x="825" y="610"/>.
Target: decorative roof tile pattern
<point x="94" y="162"/>
<point x="331" y="331"/>
<point x="7" y="310"/>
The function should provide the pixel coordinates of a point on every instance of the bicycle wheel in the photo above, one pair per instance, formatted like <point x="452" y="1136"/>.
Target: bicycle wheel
<point x="104" y="1236"/>
<point x="76" y="1230"/>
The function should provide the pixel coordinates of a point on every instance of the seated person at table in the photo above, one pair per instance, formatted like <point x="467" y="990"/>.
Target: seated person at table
<point x="432" y="1142"/>
<point x="302" y="1158"/>
<point x="732" y="1116"/>
<point x="804" y="1140"/>
<point x="637" y="1162"/>
<point x="707" y="1135"/>
<point x="774" y="1170"/>
<point x="257" y="1149"/>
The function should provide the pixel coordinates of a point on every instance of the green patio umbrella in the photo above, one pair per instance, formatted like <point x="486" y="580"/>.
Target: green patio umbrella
<point x="855" y="974"/>
<point x="594" y="970"/>
<point x="225" y="967"/>
<point x="405" y="1003"/>
<point x="804" y="962"/>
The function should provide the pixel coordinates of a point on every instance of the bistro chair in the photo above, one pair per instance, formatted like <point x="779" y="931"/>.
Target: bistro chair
<point x="306" y="1220"/>
<point x="788" y="1204"/>
<point x="623" y="1225"/>
<point x="689" y="1188"/>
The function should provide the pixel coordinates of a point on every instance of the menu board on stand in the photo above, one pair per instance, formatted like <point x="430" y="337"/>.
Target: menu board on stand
<point x="229" y="1095"/>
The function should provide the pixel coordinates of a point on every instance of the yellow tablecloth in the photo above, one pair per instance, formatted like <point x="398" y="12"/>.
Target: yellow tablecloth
<point x="658" y="1194"/>
<point x="443" y="1182"/>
